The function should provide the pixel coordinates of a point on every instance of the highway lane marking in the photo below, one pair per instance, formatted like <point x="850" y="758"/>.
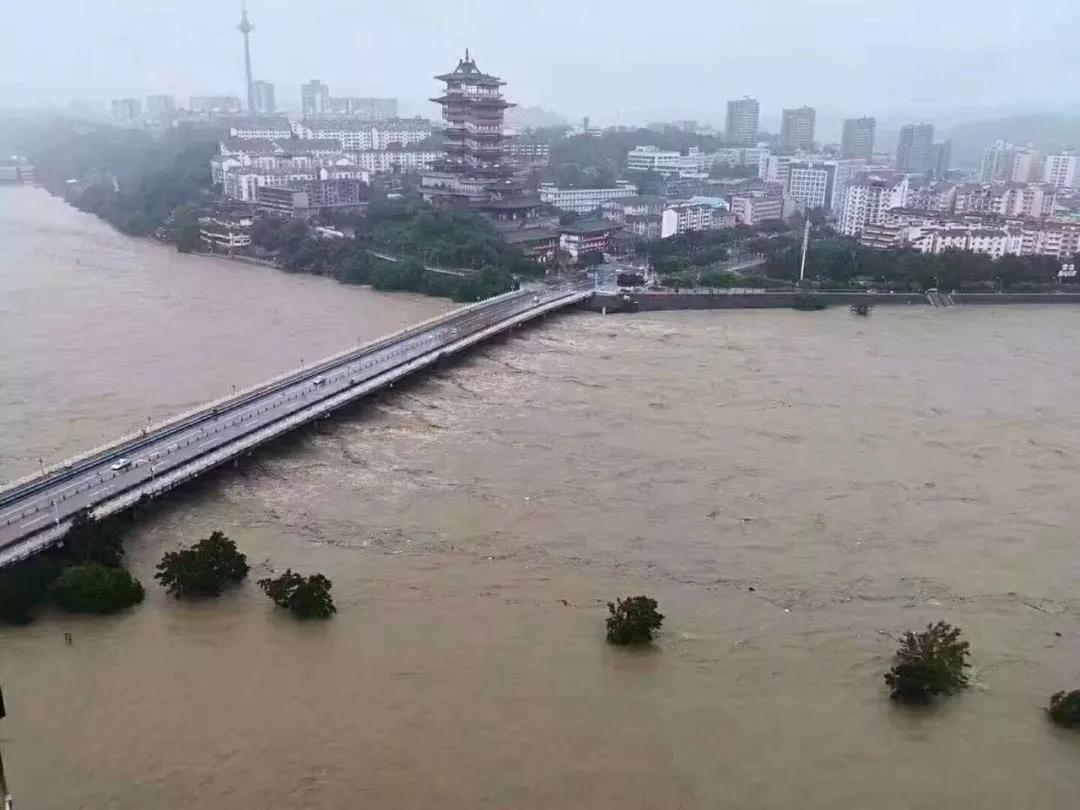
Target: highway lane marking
<point x="38" y="519"/>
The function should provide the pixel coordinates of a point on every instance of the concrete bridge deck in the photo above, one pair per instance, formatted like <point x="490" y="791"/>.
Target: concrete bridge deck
<point x="36" y="512"/>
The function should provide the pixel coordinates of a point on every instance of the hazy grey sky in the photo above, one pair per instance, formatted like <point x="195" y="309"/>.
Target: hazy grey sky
<point x="630" y="61"/>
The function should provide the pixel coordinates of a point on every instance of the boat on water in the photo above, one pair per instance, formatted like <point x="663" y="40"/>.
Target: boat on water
<point x="862" y="309"/>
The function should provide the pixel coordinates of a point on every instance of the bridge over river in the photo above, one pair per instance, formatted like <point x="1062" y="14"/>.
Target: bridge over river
<point x="37" y="511"/>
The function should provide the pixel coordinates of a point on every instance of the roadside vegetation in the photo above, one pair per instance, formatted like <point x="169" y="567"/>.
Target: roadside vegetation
<point x="305" y="597"/>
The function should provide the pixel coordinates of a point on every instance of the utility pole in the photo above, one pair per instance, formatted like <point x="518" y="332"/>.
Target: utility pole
<point x="805" y="244"/>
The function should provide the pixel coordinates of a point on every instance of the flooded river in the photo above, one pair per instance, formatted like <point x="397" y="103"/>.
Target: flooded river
<point x="796" y="489"/>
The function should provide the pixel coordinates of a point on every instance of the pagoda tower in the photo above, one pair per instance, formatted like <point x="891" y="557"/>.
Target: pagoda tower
<point x="474" y="164"/>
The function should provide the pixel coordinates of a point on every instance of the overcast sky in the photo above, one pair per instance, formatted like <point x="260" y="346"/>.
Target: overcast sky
<point x="626" y="62"/>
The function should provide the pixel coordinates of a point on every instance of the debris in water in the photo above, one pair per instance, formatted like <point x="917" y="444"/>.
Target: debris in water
<point x="751" y="589"/>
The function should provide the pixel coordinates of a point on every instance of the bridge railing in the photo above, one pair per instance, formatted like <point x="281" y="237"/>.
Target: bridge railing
<point x="27" y="484"/>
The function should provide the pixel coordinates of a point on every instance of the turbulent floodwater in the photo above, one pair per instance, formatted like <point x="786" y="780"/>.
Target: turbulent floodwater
<point x="795" y="488"/>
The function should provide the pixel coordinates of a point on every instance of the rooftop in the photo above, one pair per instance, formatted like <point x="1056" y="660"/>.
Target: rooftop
<point x="467" y="71"/>
<point x="589" y="226"/>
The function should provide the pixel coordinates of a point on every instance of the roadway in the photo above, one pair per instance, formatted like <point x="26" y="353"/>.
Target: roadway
<point x="34" y="513"/>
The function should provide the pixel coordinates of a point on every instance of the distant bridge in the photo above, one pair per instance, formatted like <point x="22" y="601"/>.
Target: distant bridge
<point x="37" y="511"/>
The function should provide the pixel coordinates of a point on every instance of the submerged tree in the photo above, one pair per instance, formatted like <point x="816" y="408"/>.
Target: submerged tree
<point x="307" y="598"/>
<point x="928" y="664"/>
<point x="96" y="588"/>
<point x="205" y="569"/>
<point x="1064" y="709"/>
<point x="90" y="540"/>
<point x="632" y="620"/>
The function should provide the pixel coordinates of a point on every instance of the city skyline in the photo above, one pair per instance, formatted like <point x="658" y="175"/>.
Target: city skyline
<point x="358" y="49"/>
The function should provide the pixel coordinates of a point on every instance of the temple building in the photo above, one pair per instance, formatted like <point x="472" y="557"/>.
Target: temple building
<point x="475" y="169"/>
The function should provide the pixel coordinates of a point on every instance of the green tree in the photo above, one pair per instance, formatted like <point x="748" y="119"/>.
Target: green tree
<point x="632" y="620"/>
<point x="94" y="541"/>
<point x="24" y="587"/>
<point x="96" y="588"/>
<point x="1064" y="709"/>
<point x="929" y="664"/>
<point x="186" y="218"/>
<point x="306" y="598"/>
<point x="205" y="569"/>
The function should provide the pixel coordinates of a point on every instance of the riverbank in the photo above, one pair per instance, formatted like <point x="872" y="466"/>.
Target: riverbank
<point x="664" y="301"/>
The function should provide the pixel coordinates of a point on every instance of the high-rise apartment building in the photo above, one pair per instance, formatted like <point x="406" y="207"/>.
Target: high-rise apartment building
<point x="741" y="128"/>
<point x="314" y="98"/>
<point x="1028" y="165"/>
<point x="868" y="198"/>
<point x="997" y="162"/>
<point x="1063" y="170"/>
<point x="940" y="158"/>
<point x="797" y="128"/>
<point x="160" y="108"/>
<point x="858" y="138"/>
<point x="264" y="97"/>
<point x="126" y="110"/>
<point x="915" y="151"/>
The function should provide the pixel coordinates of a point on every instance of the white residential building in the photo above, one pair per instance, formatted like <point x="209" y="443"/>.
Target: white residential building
<point x="685" y="217"/>
<point x="868" y="197"/>
<point x="384" y="161"/>
<point x="1063" y="170"/>
<point x="776" y="168"/>
<point x="584" y="200"/>
<point x="261" y="127"/>
<point x="810" y="183"/>
<point x="356" y="135"/>
<point x="755" y="208"/>
<point x="651" y="158"/>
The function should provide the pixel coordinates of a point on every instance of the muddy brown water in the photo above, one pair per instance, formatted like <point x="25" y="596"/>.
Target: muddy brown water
<point x="796" y="489"/>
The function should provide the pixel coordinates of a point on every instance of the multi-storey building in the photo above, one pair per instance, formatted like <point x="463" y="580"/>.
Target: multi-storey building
<point x="868" y="197"/>
<point x="362" y="108"/>
<point x="776" y="169"/>
<point x="314" y="98"/>
<point x="396" y="161"/>
<point x="475" y="167"/>
<point x="997" y="162"/>
<point x="811" y="183"/>
<point x="1028" y="165"/>
<point x="584" y="200"/>
<point x="263" y="127"/>
<point x="619" y="210"/>
<point x="126" y="110"/>
<point x="263" y="93"/>
<point x="527" y="153"/>
<point x="160" y="108"/>
<point x="309" y="198"/>
<point x="934" y="195"/>
<point x="653" y="159"/>
<point x="354" y="134"/>
<point x="858" y="138"/>
<point x="1005" y="199"/>
<point x="820" y="183"/>
<point x="594" y="236"/>
<point x="1063" y="170"/>
<point x="756" y="207"/>
<point x="741" y="127"/>
<point x="797" y="128"/>
<point x="940" y="159"/>
<point x="915" y="151"/>
<point x="225" y="233"/>
<point x="685" y="217"/>
<point x="214" y="105"/>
